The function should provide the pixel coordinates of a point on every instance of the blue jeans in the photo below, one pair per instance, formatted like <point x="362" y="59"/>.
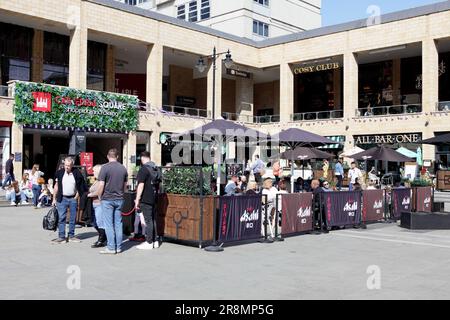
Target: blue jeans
<point x="112" y="218"/>
<point x="11" y="197"/>
<point x="62" y="206"/>
<point x="36" y="193"/>
<point x="350" y="186"/>
<point x="9" y="178"/>
<point x="99" y="216"/>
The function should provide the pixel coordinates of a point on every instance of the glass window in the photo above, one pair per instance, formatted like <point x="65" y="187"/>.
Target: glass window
<point x="96" y="66"/>
<point x="262" y="2"/>
<point x="15" y="53"/>
<point x="181" y="12"/>
<point x="193" y="15"/>
<point x="56" y="59"/>
<point x="260" y="28"/>
<point x="205" y="10"/>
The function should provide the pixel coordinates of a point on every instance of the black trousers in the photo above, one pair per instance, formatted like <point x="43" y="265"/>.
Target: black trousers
<point x="149" y="213"/>
<point x="339" y="182"/>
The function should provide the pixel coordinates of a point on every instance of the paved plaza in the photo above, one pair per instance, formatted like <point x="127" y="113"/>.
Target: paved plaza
<point x="411" y="265"/>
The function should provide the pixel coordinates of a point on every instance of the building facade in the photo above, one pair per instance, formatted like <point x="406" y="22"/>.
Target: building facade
<point x="252" y="19"/>
<point x="349" y="82"/>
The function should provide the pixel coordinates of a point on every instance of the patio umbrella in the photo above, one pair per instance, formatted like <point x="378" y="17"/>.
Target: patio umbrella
<point x="419" y="156"/>
<point x="383" y="154"/>
<point x="407" y="152"/>
<point x="441" y="140"/>
<point x="294" y="138"/>
<point x="221" y="128"/>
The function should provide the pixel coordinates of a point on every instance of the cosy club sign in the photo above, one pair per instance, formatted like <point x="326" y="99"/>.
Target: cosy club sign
<point x="317" y="68"/>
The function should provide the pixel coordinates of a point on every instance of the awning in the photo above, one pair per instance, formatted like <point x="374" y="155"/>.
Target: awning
<point x="339" y="145"/>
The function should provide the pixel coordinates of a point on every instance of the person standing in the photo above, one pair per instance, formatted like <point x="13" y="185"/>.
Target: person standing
<point x="230" y="188"/>
<point x="339" y="174"/>
<point x="113" y="183"/>
<point x="257" y="168"/>
<point x="69" y="186"/>
<point x="35" y="178"/>
<point x="325" y="167"/>
<point x="353" y="174"/>
<point x="276" y="170"/>
<point x="149" y="177"/>
<point x="99" y="221"/>
<point x="9" y="171"/>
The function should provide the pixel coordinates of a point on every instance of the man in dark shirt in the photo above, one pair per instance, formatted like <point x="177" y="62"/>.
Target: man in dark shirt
<point x="113" y="179"/>
<point x="148" y="178"/>
<point x="9" y="171"/>
<point x="317" y="191"/>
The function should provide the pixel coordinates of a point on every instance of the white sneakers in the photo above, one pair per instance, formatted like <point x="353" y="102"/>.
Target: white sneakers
<point x="13" y="203"/>
<point x="24" y="202"/>
<point x="39" y="205"/>
<point x="148" y="246"/>
<point x="145" y="246"/>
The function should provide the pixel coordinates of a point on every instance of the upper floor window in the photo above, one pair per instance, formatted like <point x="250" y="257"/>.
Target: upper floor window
<point x="205" y="10"/>
<point x="260" y="28"/>
<point x="262" y="2"/>
<point x="131" y="2"/>
<point x="181" y="12"/>
<point x="193" y="15"/>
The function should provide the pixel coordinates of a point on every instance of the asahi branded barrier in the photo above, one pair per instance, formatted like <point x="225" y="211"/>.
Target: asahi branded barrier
<point x="342" y="208"/>
<point x="240" y="218"/>
<point x="373" y="205"/>
<point x="401" y="202"/>
<point x="296" y="212"/>
<point x="423" y="199"/>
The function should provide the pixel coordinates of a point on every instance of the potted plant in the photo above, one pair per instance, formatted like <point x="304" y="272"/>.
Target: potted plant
<point x="186" y="204"/>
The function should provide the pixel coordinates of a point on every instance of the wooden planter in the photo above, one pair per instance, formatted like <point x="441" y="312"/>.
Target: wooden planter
<point x="180" y="218"/>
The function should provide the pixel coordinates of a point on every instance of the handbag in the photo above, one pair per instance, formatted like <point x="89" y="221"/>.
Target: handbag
<point x="41" y="180"/>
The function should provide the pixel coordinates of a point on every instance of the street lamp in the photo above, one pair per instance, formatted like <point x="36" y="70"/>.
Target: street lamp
<point x="201" y="67"/>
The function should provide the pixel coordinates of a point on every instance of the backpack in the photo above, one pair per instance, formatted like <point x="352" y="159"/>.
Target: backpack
<point x="50" y="221"/>
<point x="155" y="173"/>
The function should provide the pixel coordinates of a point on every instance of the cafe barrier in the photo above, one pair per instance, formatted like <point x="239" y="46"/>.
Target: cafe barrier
<point x="240" y="218"/>
<point x="342" y="208"/>
<point x="296" y="213"/>
<point x="423" y="199"/>
<point x="373" y="205"/>
<point x="401" y="202"/>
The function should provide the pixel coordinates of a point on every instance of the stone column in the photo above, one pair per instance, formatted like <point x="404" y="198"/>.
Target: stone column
<point x="129" y="152"/>
<point x="286" y="93"/>
<point x="37" y="60"/>
<point x="244" y="98"/>
<point x="17" y="146"/>
<point x="430" y="75"/>
<point x="110" y="69"/>
<point x="350" y="85"/>
<point x="155" y="148"/>
<point x="155" y="56"/>
<point x="217" y="89"/>
<point x="78" y="57"/>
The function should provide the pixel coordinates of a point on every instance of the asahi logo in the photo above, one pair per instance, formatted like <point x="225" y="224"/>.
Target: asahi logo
<point x="250" y="215"/>
<point x="378" y="204"/>
<point x="427" y="202"/>
<point x="351" y="208"/>
<point x="42" y="102"/>
<point x="303" y="213"/>
<point x="406" y="201"/>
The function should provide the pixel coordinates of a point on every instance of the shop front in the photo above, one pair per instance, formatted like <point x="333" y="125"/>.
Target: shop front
<point x="60" y="121"/>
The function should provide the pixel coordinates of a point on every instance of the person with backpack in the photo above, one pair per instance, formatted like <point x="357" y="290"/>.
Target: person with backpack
<point x="70" y="184"/>
<point x="149" y="177"/>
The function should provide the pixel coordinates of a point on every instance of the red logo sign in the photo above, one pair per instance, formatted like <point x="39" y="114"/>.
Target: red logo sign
<point x="87" y="160"/>
<point x="42" y="102"/>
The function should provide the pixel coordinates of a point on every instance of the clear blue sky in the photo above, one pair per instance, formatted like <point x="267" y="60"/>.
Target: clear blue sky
<point x="339" y="11"/>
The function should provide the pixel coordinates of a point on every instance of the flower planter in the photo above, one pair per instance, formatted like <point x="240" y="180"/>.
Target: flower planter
<point x="181" y="218"/>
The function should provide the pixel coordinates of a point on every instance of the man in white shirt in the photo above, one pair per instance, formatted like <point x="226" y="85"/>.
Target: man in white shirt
<point x="353" y="174"/>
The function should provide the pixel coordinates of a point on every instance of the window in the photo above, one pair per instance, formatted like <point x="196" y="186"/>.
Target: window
<point x="260" y="28"/>
<point x="262" y="2"/>
<point x="181" y="12"/>
<point x="56" y="59"/>
<point x="205" y="10"/>
<point x="131" y="2"/>
<point x="193" y="15"/>
<point x="96" y="66"/>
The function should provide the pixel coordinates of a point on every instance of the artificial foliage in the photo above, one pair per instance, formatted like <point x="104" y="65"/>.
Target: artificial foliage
<point x="186" y="181"/>
<point x="125" y="120"/>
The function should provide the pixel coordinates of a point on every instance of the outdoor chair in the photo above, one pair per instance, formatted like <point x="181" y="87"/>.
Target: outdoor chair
<point x="387" y="179"/>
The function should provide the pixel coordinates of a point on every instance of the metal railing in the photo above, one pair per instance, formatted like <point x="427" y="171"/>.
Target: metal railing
<point x="319" y="115"/>
<point x="250" y="119"/>
<point x="443" y="106"/>
<point x="176" y="110"/>
<point x="3" y="91"/>
<point x="266" y="119"/>
<point x="389" y="110"/>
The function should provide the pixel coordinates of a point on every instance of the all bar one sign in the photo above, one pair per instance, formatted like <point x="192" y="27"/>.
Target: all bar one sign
<point x="388" y="138"/>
